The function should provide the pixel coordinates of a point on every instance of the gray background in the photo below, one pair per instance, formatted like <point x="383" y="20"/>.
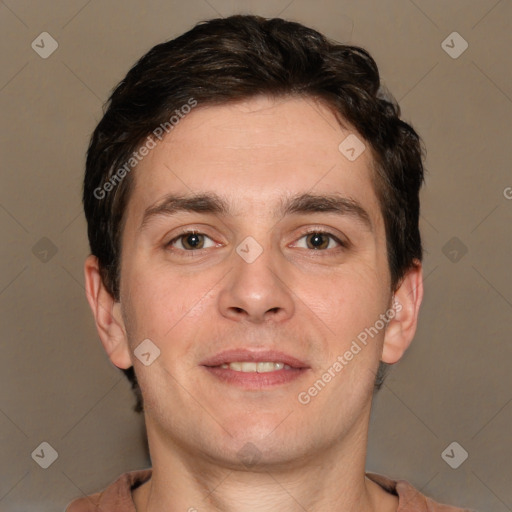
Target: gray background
<point x="454" y="383"/>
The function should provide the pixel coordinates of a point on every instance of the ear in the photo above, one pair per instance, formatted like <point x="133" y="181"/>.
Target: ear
<point x="107" y="314"/>
<point x="406" y="304"/>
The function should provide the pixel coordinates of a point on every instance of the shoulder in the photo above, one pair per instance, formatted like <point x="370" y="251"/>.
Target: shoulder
<point x="85" y="504"/>
<point x="117" y="496"/>
<point x="413" y="498"/>
<point x="409" y="498"/>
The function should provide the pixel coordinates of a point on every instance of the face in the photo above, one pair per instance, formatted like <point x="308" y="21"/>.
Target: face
<point x="251" y="238"/>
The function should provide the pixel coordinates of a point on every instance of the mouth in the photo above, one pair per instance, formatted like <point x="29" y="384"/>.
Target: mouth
<point x="255" y="370"/>
<point x="251" y="366"/>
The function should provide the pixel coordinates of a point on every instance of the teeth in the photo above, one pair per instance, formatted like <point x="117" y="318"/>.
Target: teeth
<point x="251" y="367"/>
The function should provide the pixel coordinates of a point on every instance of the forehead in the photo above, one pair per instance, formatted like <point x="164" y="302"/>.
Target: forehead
<point x="255" y="152"/>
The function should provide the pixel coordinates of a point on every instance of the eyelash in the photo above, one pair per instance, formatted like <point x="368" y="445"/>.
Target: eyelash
<point x="342" y="245"/>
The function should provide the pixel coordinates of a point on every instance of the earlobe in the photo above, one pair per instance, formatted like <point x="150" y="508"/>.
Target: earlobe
<point x="406" y="304"/>
<point x="106" y="311"/>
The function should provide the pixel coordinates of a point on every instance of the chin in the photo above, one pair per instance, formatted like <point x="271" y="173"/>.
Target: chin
<point x="260" y="456"/>
<point x="262" y="443"/>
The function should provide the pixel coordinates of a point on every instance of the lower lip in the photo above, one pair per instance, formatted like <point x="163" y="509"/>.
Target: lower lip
<point x="255" y="380"/>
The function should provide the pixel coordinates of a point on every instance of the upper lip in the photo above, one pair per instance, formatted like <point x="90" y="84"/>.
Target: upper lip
<point x="260" y="356"/>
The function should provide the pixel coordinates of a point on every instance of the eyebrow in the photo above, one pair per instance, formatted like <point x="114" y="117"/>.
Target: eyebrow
<point x="213" y="204"/>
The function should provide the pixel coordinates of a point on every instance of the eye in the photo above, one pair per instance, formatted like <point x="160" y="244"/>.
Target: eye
<point x="319" y="240"/>
<point x="191" y="241"/>
<point x="314" y="240"/>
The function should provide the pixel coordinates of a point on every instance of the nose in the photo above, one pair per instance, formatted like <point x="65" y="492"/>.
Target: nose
<point x="257" y="291"/>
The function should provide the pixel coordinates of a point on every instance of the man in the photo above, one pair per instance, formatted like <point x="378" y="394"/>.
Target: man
<point x="252" y="208"/>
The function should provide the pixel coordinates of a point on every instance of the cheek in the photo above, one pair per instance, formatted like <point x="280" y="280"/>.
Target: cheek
<point x="159" y="303"/>
<point x="351" y="296"/>
<point x="346" y="306"/>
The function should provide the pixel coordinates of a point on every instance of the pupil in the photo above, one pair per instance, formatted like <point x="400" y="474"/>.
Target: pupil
<point x="193" y="240"/>
<point x="317" y="240"/>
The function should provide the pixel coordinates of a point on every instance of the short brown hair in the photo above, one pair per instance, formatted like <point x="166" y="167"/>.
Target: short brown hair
<point x="236" y="58"/>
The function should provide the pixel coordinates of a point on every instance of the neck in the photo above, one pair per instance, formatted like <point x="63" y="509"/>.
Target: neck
<point x="333" y="478"/>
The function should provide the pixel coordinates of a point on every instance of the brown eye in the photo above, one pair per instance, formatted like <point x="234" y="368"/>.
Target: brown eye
<point x="318" y="240"/>
<point x="191" y="241"/>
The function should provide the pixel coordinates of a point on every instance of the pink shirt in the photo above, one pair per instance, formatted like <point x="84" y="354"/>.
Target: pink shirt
<point x="118" y="496"/>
